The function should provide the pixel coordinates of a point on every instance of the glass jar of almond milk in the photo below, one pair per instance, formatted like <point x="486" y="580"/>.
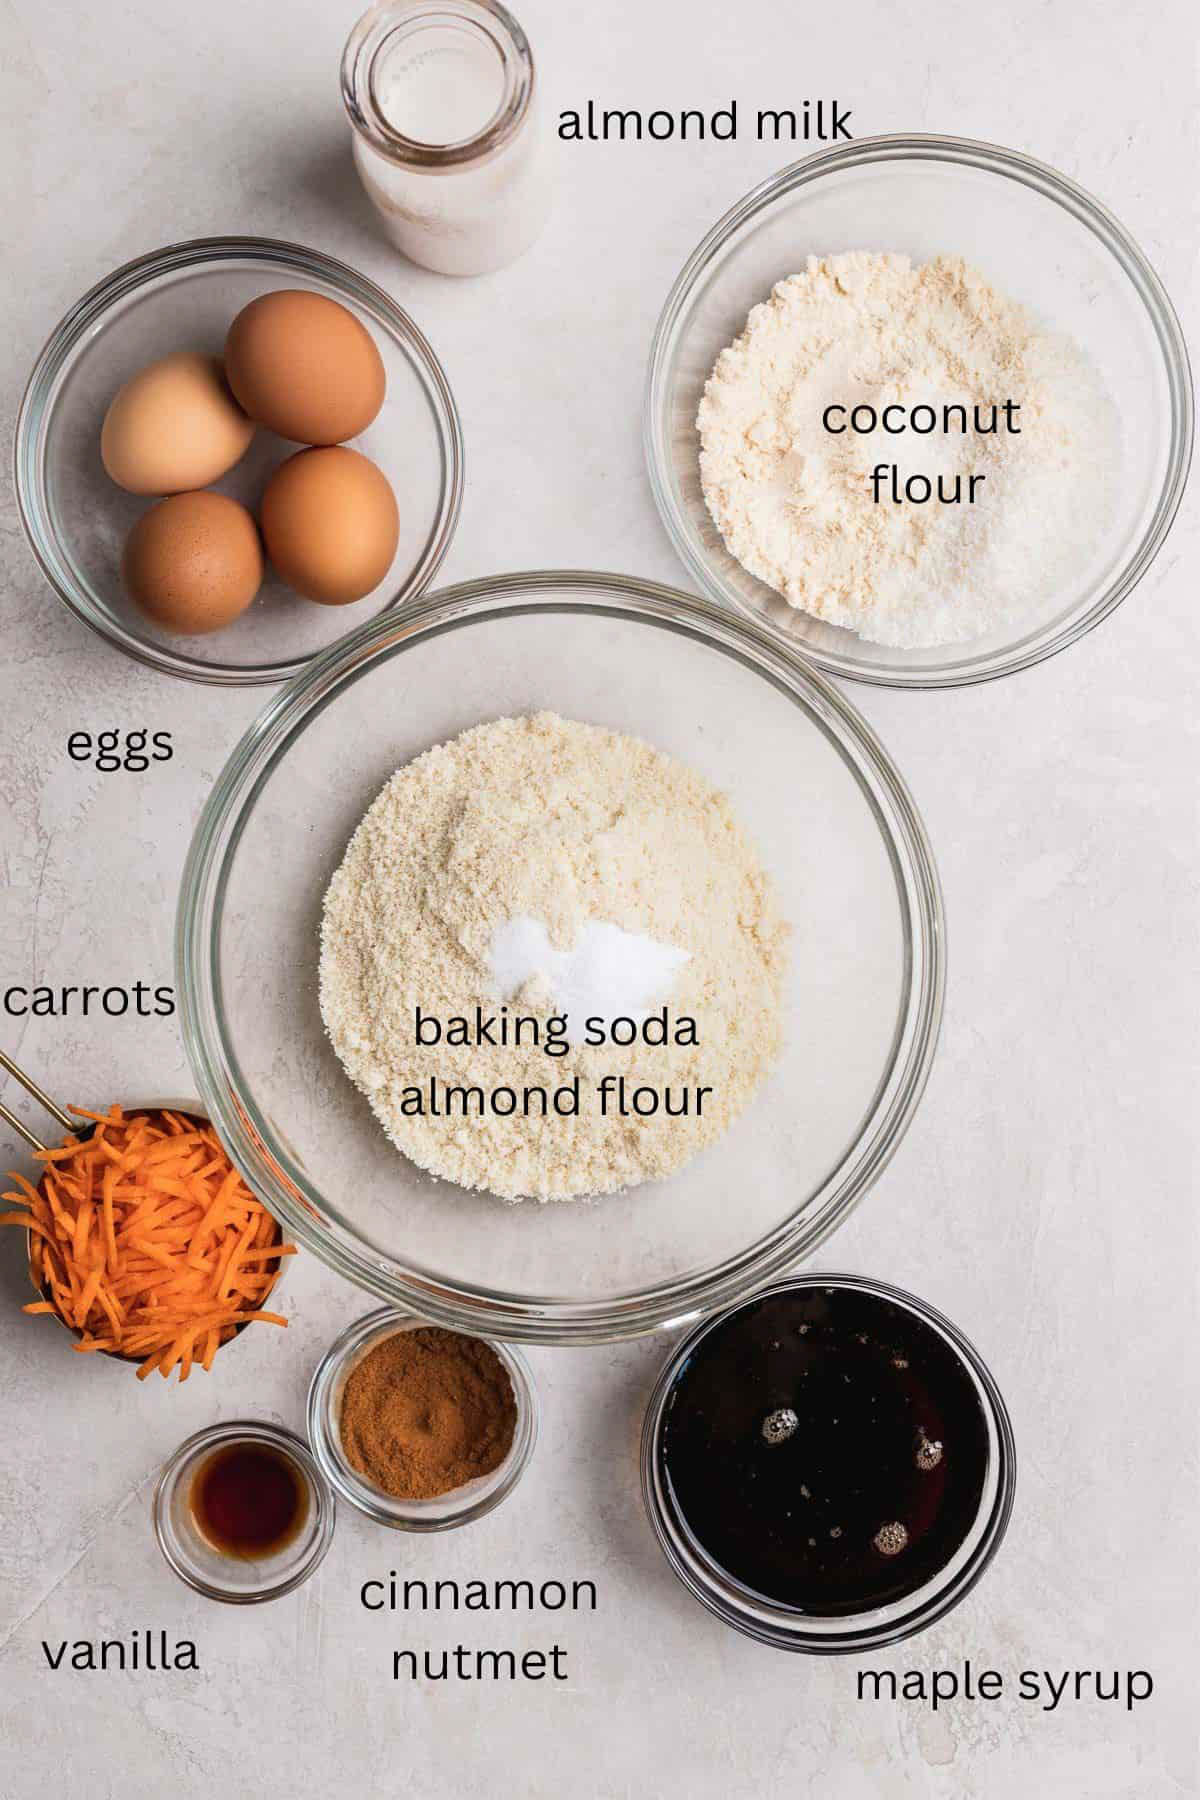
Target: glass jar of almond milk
<point x="444" y="105"/>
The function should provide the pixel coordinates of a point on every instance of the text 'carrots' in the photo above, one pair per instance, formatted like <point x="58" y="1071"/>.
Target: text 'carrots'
<point x="147" y="1241"/>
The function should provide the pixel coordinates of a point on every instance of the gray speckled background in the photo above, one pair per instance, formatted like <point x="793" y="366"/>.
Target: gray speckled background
<point x="1045" y="1194"/>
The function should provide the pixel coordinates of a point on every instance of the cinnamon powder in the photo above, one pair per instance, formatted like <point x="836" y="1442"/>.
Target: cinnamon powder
<point x="426" y="1411"/>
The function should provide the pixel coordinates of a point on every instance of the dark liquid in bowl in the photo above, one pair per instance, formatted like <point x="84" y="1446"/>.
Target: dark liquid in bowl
<point x="249" y="1500"/>
<point x="879" y="1454"/>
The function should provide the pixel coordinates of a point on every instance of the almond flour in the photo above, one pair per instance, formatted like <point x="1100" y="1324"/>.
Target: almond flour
<point x="569" y="825"/>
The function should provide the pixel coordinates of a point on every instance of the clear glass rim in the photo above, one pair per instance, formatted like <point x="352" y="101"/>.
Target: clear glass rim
<point x="441" y="1514"/>
<point x="1081" y="205"/>
<point x="259" y="1148"/>
<point x="360" y="98"/>
<point x="780" y="1626"/>
<point x="82" y="321"/>
<point x="255" y="1431"/>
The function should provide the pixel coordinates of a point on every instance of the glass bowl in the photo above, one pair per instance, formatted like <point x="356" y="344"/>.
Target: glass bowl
<point x="461" y="1504"/>
<point x="186" y="297"/>
<point x="240" y="1581"/>
<point x="785" y="1627"/>
<point x="1039" y="238"/>
<point x="832" y="822"/>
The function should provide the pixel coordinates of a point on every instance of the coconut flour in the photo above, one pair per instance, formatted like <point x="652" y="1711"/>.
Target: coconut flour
<point x="794" y="496"/>
<point x="530" y="879"/>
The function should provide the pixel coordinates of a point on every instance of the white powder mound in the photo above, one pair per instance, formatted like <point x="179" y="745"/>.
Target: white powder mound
<point x="546" y="820"/>
<point x="794" y="502"/>
<point x="608" y="974"/>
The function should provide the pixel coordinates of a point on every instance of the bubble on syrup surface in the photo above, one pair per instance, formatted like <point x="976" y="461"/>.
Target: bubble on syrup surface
<point x="780" y="1425"/>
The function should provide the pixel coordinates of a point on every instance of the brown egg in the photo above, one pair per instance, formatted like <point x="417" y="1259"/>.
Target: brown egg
<point x="193" y="563"/>
<point x="305" y="367"/>
<point x="330" y="522"/>
<point x="174" y="426"/>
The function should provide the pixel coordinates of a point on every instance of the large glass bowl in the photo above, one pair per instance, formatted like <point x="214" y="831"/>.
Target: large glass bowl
<point x="832" y="822"/>
<point x="185" y="297"/>
<point x="1039" y="238"/>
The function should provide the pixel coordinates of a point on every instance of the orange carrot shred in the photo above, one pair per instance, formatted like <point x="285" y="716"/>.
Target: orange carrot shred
<point x="83" y="1225"/>
<point x="108" y="1187"/>
<point x="147" y="1242"/>
<point x="30" y="1224"/>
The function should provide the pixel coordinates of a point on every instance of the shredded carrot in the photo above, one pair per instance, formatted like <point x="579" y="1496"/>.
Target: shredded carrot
<point x="83" y="1226"/>
<point x="16" y="1218"/>
<point x="146" y="1241"/>
<point x="62" y="1154"/>
<point x="113" y="1116"/>
<point x="108" y="1188"/>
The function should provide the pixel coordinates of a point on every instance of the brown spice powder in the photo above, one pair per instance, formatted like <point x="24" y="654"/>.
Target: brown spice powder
<point x="426" y="1411"/>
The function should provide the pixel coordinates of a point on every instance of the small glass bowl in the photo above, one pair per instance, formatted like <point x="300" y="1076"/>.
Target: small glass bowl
<point x="185" y="297"/>
<point x="241" y="1582"/>
<point x="1038" y="237"/>
<point x="460" y="1505"/>
<point x="786" y="1627"/>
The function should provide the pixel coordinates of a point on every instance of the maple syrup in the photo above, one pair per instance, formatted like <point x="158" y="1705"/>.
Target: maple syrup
<point x="826" y="1448"/>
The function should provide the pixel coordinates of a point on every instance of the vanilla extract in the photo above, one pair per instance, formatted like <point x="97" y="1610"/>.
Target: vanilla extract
<point x="826" y="1448"/>
<point x="249" y="1500"/>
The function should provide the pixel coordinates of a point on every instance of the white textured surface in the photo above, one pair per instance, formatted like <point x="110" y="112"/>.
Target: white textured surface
<point x="1044" y="1196"/>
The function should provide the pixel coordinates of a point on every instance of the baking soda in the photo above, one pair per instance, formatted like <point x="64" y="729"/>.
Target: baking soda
<point x="608" y="974"/>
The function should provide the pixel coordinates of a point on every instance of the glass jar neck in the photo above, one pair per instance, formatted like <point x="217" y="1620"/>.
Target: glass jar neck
<point x="437" y="84"/>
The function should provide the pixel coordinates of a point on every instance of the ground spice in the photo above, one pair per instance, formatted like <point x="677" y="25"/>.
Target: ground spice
<point x="426" y="1411"/>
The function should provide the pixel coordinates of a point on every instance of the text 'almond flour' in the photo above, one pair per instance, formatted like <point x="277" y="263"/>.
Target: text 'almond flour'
<point x="544" y="819"/>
